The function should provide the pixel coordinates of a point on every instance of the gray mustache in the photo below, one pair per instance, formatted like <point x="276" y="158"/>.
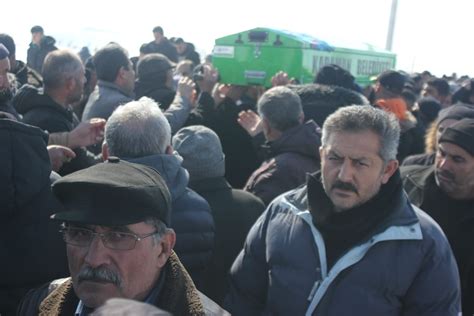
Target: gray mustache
<point x="99" y="274"/>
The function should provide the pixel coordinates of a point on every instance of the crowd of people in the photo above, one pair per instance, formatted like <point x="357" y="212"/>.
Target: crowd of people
<point x="146" y="179"/>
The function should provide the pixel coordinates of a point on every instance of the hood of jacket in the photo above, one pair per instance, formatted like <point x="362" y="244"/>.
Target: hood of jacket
<point x="25" y="166"/>
<point x="29" y="98"/>
<point x="169" y="167"/>
<point x="47" y="41"/>
<point x="303" y="139"/>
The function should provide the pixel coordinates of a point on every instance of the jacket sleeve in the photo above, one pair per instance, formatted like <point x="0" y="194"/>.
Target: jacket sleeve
<point x="178" y="113"/>
<point x="249" y="273"/>
<point x="435" y="291"/>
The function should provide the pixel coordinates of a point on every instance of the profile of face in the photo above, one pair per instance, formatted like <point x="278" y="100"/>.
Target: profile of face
<point x="430" y="91"/>
<point x="78" y="87"/>
<point x="99" y="273"/>
<point x="454" y="172"/>
<point x="5" y="89"/>
<point x="352" y="170"/>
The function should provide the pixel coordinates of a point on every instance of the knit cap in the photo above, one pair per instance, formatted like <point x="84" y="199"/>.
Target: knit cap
<point x="201" y="150"/>
<point x="462" y="134"/>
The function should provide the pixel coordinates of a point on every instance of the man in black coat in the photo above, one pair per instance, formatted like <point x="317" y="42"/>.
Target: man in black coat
<point x="51" y="109"/>
<point x="446" y="192"/>
<point x="234" y="211"/>
<point x="31" y="247"/>
<point x="40" y="46"/>
<point x="162" y="45"/>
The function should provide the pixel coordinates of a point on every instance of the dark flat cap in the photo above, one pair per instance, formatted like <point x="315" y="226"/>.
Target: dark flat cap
<point x="113" y="193"/>
<point x="152" y="64"/>
<point x="392" y="80"/>
<point x="462" y="134"/>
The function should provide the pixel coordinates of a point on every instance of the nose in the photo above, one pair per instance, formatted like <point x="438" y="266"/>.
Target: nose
<point x="97" y="253"/>
<point x="346" y="171"/>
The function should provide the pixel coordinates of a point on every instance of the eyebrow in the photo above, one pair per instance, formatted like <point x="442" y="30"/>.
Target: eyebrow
<point x="333" y="152"/>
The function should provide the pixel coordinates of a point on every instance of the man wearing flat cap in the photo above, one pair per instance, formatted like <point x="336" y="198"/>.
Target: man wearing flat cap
<point x="115" y="224"/>
<point x="445" y="191"/>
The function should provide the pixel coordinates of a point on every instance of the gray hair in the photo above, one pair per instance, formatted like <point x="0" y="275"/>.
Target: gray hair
<point x="281" y="107"/>
<point x="59" y="66"/>
<point x="160" y="227"/>
<point x="357" y="118"/>
<point x="137" y="129"/>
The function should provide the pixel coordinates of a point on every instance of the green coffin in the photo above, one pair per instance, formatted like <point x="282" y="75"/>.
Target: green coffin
<point x="252" y="57"/>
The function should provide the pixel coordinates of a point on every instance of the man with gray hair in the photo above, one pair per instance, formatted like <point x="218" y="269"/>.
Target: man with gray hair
<point x="139" y="132"/>
<point x="291" y="147"/>
<point x="348" y="242"/>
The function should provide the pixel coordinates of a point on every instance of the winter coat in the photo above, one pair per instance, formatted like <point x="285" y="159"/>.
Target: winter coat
<point x="405" y="267"/>
<point x="37" y="53"/>
<point x="190" y="54"/>
<point x="191" y="216"/>
<point x="166" y="48"/>
<point x="455" y="217"/>
<point x="106" y="97"/>
<point x="39" y="109"/>
<point x="178" y="296"/>
<point x="234" y="212"/>
<point x="290" y="158"/>
<point x="164" y="96"/>
<point x="32" y="249"/>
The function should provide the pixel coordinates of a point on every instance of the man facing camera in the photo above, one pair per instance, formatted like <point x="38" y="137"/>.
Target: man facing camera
<point x="115" y="224"/>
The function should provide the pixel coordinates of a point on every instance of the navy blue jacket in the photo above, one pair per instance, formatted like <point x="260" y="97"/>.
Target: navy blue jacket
<point x="191" y="216"/>
<point x="406" y="268"/>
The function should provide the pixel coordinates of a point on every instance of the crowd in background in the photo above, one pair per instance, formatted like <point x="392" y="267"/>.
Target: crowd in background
<point x="226" y="154"/>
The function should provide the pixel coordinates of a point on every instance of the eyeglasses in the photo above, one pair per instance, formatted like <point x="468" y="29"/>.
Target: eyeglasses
<point x="115" y="240"/>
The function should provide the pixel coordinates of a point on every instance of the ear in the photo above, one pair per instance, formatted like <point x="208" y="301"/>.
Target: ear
<point x="105" y="151"/>
<point x="120" y="76"/>
<point x="169" y="150"/>
<point x="389" y="170"/>
<point x="301" y="118"/>
<point x="167" y="244"/>
<point x="70" y="84"/>
<point x="321" y="152"/>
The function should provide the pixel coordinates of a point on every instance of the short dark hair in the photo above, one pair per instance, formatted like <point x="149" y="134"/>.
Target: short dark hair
<point x="179" y="40"/>
<point x="37" y="29"/>
<point x="158" y="29"/>
<point x="8" y="42"/>
<point x="281" y="107"/>
<point x="441" y="85"/>
<point x="146" y="49"/>
<point x="58" y="66"/>
<point x="319" y="101"/>
<point x="108" y="60"/>
<point x="335" y="75"/>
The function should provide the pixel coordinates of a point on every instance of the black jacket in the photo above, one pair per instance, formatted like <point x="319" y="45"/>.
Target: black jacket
<point x="190" y="54"/>
<point x="234" y="212"/>
<point x="32" y="248"/>
<point x="455" y="217"/>
<point x="37" y="53"/>
<point x="39" y="109"/>
<point x="164" y="96"/>
<point x="166" y="48"/>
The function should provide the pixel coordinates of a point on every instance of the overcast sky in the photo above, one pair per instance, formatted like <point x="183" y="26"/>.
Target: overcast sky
<point x="429" y="34"/>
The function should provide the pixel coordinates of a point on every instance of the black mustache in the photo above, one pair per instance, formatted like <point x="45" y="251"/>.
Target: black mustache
<point x="344" y="186"/>
<point x="100" y="274"/>
<point x="446" y="174"/>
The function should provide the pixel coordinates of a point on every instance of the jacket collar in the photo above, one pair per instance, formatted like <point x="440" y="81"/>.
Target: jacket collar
<point x="178" y="294"/>
<point x="113" y="86"/>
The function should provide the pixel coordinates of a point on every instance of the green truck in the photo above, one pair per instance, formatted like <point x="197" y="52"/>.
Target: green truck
<point x="252" y="57"/>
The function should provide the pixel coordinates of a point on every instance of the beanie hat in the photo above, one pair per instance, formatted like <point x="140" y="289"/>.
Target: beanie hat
<point x="153" y="64"/>
<point x="201" y="150"/>
<point x="462" y="134"/>
<point x="456" y="112"/>
<point x="429" y="107"/>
